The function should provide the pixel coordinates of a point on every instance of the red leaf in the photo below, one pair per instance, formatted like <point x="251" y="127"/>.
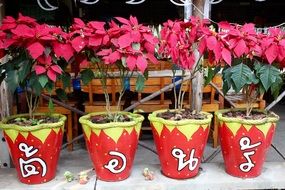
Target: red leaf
<point x="63" y="50"/>
<point x="2" y="53"/>
<point x="271" y="53"/>
<point x="211" y="42"/>
<point x="131" y="62"/>
<point x="84" y="64"/>
<point x="226" y="54"/>
<point x="149" y="47"/>
<point x="51" y="75"/>
<point x="224" y="25"/>
<point x="23" y="30"/>
<point x="79" y="22"/>
<point x="56" y="69"/>
<point x="95" y="41"/>
<point x="173" y="40"/>
<point x="150" y="38"/>
<point x="36" y="49"/>
<point x="217" y="52"/>
<point x="249" y="28"/>
<point x="114" y="56"/>
<point x="135" y="36"/>
<point x="202" y="46"/>
<point x="240" y="48"/>
<point x="97" y="25"/>
<point x="125" y="40"/>
<point x="152" y="58"/>
<point x="78" y="43"/>
<point x="141" y="63"/>
<point x="133" y="20"/>
<point x="123" y="20"/>
<point x="40" y="69"/>
<point x="26" y="19"/>
<point x="104" y="52"/>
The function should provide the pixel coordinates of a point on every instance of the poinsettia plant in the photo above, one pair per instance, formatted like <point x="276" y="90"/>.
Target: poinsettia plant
<point x="30" y="56"/>
<point x="253" y="60"/>
<point x="180" y="41"/>
<point x="121" y="45"/>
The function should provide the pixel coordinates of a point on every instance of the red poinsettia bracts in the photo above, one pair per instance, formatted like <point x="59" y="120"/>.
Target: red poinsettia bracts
<point x="37" y="39"/>
<point x="126" y="41"/>
<point x="242" y="41"/>
<point x="273" y="46"/>
<point x="178" y="40"/>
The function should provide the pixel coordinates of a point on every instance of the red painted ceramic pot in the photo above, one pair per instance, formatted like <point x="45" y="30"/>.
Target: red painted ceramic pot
<point x="112" y="146"/>
<point x="180" y="144"/>
<point x="244" y="143"/>
<point x="34" y="149"/>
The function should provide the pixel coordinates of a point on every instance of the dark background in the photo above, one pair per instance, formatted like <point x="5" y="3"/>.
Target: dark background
<point x="267" y="13"/>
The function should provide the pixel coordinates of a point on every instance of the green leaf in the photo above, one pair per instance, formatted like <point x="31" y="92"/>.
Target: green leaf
<point x="12" y="80"/>
<point x="25" y="69"/>
<point x="145" y="74"/>
<point x="241" y="76"/>
<point x="86" y="76"/>
<point x="257" y="66"/>
<point x="66" y="80"/>
<point x="211" y="73"/>
<point x="227" y="80"/>
<point x="37" y="88"/>
<point x="60" y="93"/>
<point x="94" y="60"/>
<point x="140" y="83"/>
<point x="34" y="84"/>
<point x="51" y="106"/>
<point x="276" y="86"/>
<point x="268" y="75"/>
<point x="49" y="87"/>
<point x="43" y="80"/>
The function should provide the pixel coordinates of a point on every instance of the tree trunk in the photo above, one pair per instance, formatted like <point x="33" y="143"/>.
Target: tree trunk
<point x="198" y="80"/>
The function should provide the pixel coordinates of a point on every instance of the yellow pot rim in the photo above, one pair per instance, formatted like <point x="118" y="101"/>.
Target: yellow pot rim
<point x="153" y="118"/>
<point x="5" y="126"/>
<point x="220" y="116"/>
<point x="137" y="118"/>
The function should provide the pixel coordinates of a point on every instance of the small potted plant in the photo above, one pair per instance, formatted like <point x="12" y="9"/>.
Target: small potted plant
<point x="181" y="134"/>
<point x="30" y="62"/>
<point x="253" y="62"/>
<point x="125" y="46"/>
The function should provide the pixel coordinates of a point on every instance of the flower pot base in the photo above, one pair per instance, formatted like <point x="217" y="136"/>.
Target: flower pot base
<point x="112" y="146"/>
<point x="244" y="144"/>
<point x="35" y="149"/>
<point x="180" y="144"/>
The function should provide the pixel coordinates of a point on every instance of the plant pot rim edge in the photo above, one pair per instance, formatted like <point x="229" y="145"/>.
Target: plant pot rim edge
<point x="267" y="119"/>
<point x="85" y="120"/>
<point x="152" y="117"/>
<point x="5" y="126"/>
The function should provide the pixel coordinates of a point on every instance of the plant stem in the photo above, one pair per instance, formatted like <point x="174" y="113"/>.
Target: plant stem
<point x="174" y="88"/>
<point x="180" y="99"/>
<point x="103" y="79"/>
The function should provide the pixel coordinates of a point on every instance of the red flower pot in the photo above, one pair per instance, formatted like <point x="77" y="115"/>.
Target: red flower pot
<point x="112" y="146"/>
<point x="180" y="144"/>
<point x="34" y="149"/>
<point x="244" y="144"/>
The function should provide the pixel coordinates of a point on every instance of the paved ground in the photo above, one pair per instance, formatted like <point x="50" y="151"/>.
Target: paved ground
<point x="212" y="176"/>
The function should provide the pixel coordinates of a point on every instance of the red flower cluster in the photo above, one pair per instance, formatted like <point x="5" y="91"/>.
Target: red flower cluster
<point x="236" y="41"/>
<point x="128" y="42"/>
<point x="178" y="40"/>
<point x="232" y="41"/>
<point x="38" y="39"/>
